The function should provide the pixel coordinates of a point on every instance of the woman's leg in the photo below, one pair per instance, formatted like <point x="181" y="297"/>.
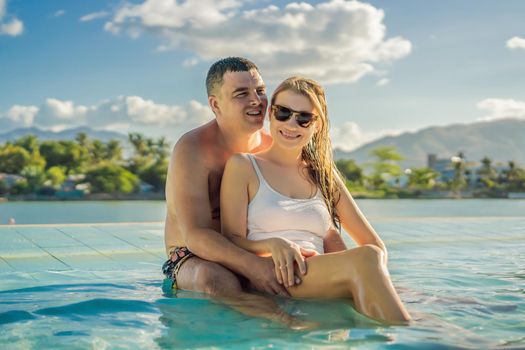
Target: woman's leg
<point x="205" y="276"/>
<point x="357" y="273"/>
<point x="333" y="242"/>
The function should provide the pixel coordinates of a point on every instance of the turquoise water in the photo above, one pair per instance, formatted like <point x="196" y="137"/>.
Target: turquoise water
<point x="461" y="276"/>
<point x="136" y="211"/>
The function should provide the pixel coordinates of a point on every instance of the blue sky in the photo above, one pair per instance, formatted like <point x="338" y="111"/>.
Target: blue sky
<point x="387" y="66"/>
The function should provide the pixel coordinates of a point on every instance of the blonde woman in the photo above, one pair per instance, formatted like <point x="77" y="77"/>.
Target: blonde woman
<point x="284" y="201"/>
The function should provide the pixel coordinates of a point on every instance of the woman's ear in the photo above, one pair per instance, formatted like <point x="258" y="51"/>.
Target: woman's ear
<point x="317" y="126"/>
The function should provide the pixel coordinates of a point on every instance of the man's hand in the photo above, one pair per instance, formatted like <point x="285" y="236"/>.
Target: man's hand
<point x="262" y="276"/>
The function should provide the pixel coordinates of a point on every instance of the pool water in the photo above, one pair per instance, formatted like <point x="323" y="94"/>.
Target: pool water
<point x="99" y="286"/>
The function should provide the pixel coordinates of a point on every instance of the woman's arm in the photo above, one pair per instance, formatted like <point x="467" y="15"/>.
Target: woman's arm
<point x="354" y="222"/>
<point x="234" y="203"/>
<point x="234" y="213"/>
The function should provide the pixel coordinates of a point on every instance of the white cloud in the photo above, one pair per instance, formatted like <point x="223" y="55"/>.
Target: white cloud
<point x="122" y="113"/>
<point x="22" y="115"/>
<point x="9" y="26"/>
<point x="54" y="112"/>
<point x="190" y="62"/>
<point x="349" y="136"/>
<point x="516" y="43"/>
<point x="383" y="82"/>
<point x="502" y="108"/>
<point x="148" y="112"/>
<point x="334" y="41"/>
<point x="60" y="13"/>
<point x="198" y="113"/>
<point x="93" y="16"/>
<point x="13" y="28"/>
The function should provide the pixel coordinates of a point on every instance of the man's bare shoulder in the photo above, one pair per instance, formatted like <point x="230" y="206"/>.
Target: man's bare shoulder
<point x="195" y="144"/>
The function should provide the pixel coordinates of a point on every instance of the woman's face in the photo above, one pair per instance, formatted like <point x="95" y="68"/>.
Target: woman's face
<point x="289" y="134"/>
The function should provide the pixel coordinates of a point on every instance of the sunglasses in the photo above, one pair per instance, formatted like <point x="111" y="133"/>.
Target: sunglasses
<point x="283" y="114"/>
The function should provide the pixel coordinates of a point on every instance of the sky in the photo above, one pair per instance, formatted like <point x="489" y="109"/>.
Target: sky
<point x="388" y="67"/>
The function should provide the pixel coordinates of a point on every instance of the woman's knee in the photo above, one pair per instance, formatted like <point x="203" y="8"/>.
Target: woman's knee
<point x="369" y="256"/>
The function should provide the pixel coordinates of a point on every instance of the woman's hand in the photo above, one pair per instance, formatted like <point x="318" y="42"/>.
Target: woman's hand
<point x="284" y="254"/>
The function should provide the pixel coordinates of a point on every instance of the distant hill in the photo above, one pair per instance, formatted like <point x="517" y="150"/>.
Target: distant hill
<point x="67" y="134"/>
<point x="501" y="140"/>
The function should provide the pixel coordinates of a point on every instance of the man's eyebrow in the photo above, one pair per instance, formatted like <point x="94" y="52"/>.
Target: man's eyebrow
<point x="240" y="89"/>
<point x="244" y="89"/>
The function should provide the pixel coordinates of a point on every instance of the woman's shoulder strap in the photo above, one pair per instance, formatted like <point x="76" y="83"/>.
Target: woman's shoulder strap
<point x="256" y="167"/>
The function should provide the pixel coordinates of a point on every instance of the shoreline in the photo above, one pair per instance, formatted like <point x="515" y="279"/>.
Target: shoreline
<point x="161" y="197"/>
<point x="87" y="198"/>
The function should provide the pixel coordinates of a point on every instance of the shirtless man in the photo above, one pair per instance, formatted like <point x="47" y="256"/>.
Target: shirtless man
<point x="200" y="258"/>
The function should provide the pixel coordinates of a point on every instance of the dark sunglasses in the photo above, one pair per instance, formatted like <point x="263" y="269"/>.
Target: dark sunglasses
<point x="282" y="114"/>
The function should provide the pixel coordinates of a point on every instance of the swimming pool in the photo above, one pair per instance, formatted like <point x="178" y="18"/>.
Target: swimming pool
<point x="99" y="286"/>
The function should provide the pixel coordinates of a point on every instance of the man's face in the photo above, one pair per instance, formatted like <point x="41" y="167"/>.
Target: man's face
<point x="242" y="101"/>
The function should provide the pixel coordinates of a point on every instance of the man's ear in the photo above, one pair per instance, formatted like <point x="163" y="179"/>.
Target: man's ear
<point x="213" y="102"/>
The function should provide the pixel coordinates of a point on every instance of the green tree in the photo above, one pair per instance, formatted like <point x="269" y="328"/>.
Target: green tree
<point x="82" y="139"/>
<point x="62" y="153"/>
<point x="56" y="175"/>
<point x="29" y="142"/>
<point x="458" y="181"/>
<point x="350" y="170"/>
<point x="386" y="165"/>
<point x="85" y="146"/>
<point x="98" y="151"/>
<point x="149" y="159"/>
<point x="162" y="148"/>
<point x="35" y="177"/>
<point x="3" y="188"/>
<point x="139" y="143"/>
<point x="113" y="151"/>
<point x="20" y="187"/>
<point x="13" y="159"/>
<point x="487" y="173"/>
<point x="422" y="178"/>
<point x="111" y="178"/>
<point x="515" y="177"/>
<point x="155" y="175"/>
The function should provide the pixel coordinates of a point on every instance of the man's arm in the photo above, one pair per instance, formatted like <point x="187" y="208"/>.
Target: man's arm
<point x="188" y="201"/>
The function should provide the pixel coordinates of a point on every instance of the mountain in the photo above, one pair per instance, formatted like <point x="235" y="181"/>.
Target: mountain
<point x="501" y="140"/>
<point x="67" y="134"/>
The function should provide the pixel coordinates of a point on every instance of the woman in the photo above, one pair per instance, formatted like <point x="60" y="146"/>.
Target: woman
<point x="283" y="201"/>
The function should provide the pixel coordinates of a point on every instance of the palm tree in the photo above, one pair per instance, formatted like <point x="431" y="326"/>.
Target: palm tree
<point x="140" y="144"/>
<point x="422" y="178"/>
<point x="458" y="182"/>
<point x="113" y="151"/>
<point x="386" y="165"/>
<point x="162" y="148"/>
<point x="82" y="139"/>
<point x="487" y="173"/>
<point x="98" y="151"/>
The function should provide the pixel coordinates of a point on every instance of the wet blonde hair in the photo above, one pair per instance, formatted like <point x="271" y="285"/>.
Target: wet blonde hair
<point x="317" y="154"/>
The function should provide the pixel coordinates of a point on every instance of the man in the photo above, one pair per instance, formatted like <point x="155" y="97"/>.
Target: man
<point x="200" y="258"/>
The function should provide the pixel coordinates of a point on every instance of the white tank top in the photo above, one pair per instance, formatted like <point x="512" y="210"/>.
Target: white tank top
<point x="271" y="214"/>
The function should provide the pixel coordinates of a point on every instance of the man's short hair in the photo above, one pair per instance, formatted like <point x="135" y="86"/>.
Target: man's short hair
<point x="215" y="76"/>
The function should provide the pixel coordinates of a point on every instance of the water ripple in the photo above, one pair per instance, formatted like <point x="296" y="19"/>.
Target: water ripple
<point x="15" y="316"/>
<point x="98" y="307"/>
